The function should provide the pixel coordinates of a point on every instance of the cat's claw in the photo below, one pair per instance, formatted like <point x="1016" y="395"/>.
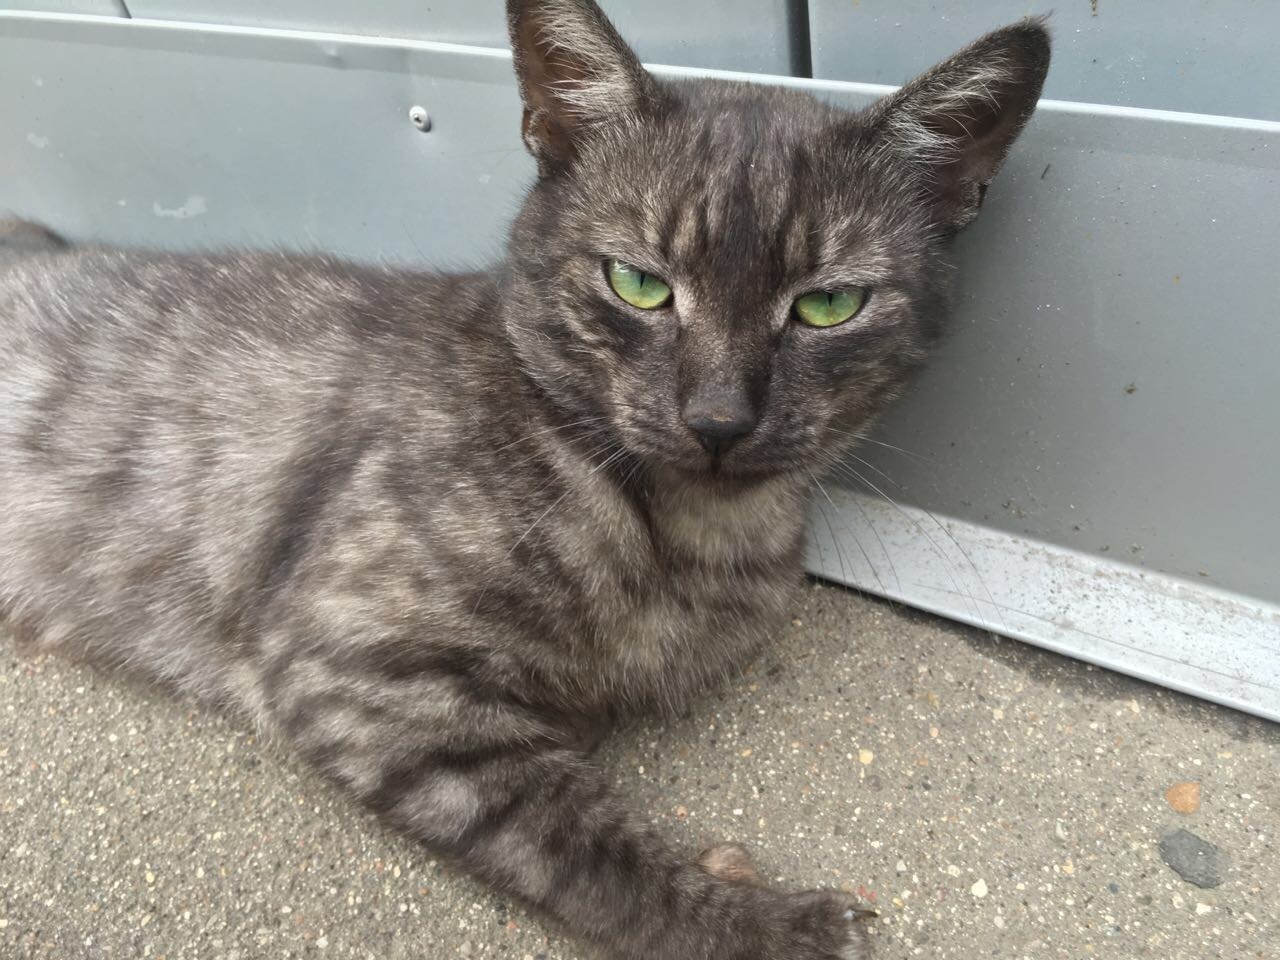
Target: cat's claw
<point x="856" y="921"/>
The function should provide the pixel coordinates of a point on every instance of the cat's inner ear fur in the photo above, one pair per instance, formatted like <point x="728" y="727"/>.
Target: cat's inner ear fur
<point x="576" y="74"/>
<point x="958" y="120"/>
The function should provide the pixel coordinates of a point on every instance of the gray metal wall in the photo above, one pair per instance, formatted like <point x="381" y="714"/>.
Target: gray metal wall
<point x="1098" y="440"/>
<point x="1090" y="461"/>
<point x="749" y="35"/>
<point x="1197" y="56"/>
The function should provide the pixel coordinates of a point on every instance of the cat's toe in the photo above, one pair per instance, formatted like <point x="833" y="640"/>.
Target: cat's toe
<point x="857" y="945"/>
<point x="828" y="925"/>
<point x="855" y="921"/>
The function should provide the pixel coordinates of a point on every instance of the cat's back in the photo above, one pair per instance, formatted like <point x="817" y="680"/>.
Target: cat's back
<point x="235" y="305"/>
<point x="165" y="419"/>
<point x="234" y="345"/>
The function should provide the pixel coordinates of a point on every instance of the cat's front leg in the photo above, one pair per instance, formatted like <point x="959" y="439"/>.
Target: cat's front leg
<point x="500" y="789"/>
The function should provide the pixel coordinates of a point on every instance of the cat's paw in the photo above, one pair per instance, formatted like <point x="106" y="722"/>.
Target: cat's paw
<point x="824" y="925"/>
<point x="811" y="925"/>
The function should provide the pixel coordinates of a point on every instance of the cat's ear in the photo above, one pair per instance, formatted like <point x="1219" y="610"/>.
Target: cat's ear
<point x="576" y="74"/>
<point x="959" y="119"/>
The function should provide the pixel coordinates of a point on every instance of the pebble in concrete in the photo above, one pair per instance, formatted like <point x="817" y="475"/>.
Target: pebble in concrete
<point x="1195" y="860"/>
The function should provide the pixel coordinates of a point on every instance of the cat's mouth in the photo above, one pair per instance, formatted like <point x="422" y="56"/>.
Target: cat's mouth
<point x="727" y="474"/>
<point x="733" y="468"/>
<point x="719" y="481"/>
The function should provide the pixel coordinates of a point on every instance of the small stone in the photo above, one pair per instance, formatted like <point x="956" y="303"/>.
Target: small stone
<point x="1184" y="797"/>
<point x="901" y="866"/>
<point x="979" y="889"/>
<point x="865" y="756"/>
<point x="1203" y="908"/>
<point x="1195" y="860"/>
<point x="953" y="870"/>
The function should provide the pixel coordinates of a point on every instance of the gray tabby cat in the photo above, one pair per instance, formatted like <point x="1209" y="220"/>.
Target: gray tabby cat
<point x="438" y="533"/>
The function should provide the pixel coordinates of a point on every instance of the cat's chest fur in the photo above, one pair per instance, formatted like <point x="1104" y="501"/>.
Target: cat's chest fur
<point x="607" y="595"/>
<point x="699" y="579"/>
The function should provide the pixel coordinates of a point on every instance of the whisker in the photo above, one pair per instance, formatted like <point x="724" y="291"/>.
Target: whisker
<point x="858" y="543"/>
<point x="551" y="429"/>
<point x="863" y="438"/>
<point x="542" y="516"/>
<point x="933" y="543"/>
<point x="620" y="452"/>
<point x="585" y="434"/>
<point x="873" y="467"/>
<point x="844" y="573"/>
<point x="880" y="540"/>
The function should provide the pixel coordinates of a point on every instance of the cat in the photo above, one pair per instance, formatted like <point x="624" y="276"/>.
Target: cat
<point x="438" y="533"/>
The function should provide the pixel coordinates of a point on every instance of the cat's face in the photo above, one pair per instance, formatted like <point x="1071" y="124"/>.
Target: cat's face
<point x="662" y="260"/>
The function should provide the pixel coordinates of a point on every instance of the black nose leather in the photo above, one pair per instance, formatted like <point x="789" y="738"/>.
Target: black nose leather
<point x="720" y="414"/>
<point x="718" y="430"/>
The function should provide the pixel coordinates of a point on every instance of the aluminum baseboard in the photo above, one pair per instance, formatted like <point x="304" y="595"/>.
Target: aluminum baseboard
<point x="1182" y="635"/>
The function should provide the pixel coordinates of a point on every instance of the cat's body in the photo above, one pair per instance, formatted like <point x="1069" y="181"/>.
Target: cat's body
<point x="437" y="533"/>
<point x="361" y="529"/>
<point x="298" y="433"/>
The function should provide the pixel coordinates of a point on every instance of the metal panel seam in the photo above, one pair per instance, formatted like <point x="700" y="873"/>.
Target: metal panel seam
<point x="804" y="83"/>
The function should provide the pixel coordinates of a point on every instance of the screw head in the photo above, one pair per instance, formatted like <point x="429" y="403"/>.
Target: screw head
<point x="419" y="117"/>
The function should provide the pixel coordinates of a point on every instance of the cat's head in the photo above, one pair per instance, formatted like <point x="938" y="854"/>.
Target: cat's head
<point x="730" y="280"/>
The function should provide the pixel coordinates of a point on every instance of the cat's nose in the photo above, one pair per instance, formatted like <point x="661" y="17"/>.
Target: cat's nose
<point x="718" y="435"/>
<point x="720" y="422"/>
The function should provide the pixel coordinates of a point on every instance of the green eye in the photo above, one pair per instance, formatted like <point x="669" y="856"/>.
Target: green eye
<point x="829" y="308"/>
<point x="638" y="288"/>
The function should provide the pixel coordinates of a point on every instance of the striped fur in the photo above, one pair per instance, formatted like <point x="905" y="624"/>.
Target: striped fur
<point x="438" y="533"/>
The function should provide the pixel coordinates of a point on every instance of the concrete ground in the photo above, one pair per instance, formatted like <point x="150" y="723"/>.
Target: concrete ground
<point x="990" y="799"/>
